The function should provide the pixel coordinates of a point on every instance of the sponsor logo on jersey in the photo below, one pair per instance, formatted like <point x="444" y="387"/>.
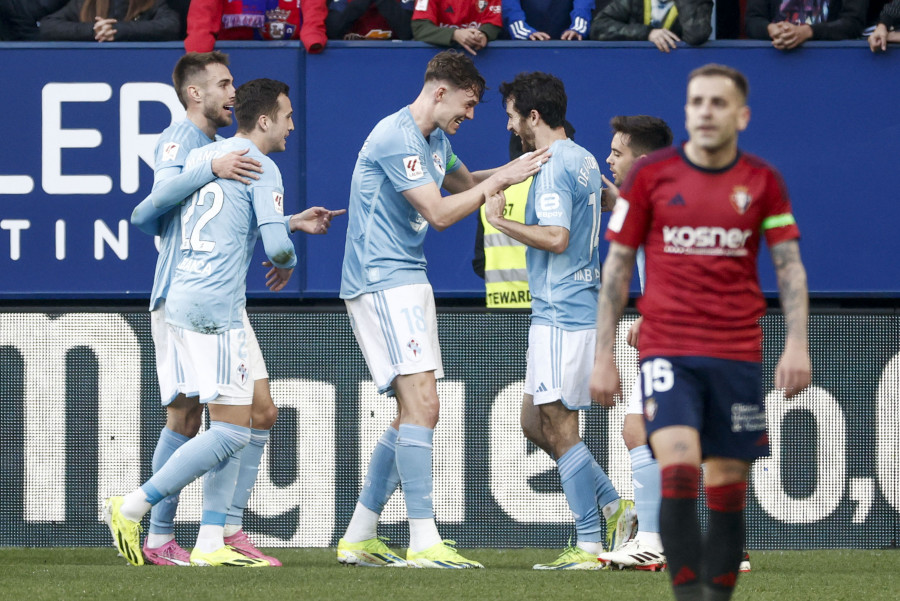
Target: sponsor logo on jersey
<point x="278" y="201"/>
<point x="548" y="206"/>
<point x="650" y="409"/>
<point x="170" y="151"/>
<point x="438" y="163"/>
<point x="716" y="241"/>
<point x="620" y="211"/>
<point x="495" y="9"/>
<point x="740" y="199"/>
<point x="413" y="350"/>
<point x="413" y="166"/>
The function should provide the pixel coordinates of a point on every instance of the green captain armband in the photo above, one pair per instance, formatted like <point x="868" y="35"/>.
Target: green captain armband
<point x="452" y="162"/>
<point x="777" y="221"/>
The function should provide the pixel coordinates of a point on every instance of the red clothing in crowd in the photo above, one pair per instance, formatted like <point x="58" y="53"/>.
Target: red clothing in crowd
<point x="209" y="20"/>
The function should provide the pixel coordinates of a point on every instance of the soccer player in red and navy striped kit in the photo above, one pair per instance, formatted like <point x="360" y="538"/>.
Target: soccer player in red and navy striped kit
<point x="701" y="210"/>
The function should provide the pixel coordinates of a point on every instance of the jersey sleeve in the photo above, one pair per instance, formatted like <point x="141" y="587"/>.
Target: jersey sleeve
<point x="553" y="198"/>
<point x="426" y="9"/>
<point x="403" y="163"/>
<point x="778" y="223"/>
<point x="268" y="195"/>
<point x="630" y="218"/>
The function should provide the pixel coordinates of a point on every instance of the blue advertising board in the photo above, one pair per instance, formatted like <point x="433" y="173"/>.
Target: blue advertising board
<point x="80" y="122"/>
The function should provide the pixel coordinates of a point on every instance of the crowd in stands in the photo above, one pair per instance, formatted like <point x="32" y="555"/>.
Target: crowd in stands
<point x="469" y="25"/>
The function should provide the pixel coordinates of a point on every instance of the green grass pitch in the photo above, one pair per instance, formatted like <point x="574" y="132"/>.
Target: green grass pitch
<point x="94" y="574"/>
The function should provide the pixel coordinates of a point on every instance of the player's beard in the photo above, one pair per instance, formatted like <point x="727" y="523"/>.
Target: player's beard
<point x="215" y="116"/>
<point x="527" y="138"/>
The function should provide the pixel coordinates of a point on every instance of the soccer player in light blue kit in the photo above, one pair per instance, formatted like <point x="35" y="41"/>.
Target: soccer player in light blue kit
<point x="561" y="230"/>
<point x="395" y="195"/>
<point x="205" y="313"/>
<point x="204" y="86"/>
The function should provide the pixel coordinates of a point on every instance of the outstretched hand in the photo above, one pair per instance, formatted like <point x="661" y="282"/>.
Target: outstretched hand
<point x="520" y="169"/>
<point x="314" y="220"/>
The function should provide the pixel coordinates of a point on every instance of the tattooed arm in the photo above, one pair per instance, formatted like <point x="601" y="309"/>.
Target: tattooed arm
<point x="793" y="372"/>
<point x="613" y="298"/>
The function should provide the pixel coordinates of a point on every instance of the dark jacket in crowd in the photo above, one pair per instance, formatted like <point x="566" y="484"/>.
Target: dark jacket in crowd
<point x="159" y="23"/>
<point x="623" y="20"/>
<point x="19" y="18"/>
<point x="846" y="19"/>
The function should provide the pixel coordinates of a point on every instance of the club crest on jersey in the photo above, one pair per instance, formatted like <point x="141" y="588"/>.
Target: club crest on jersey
<point x="243" y="372"/>
<point x="278" y="201"/>
<point x="413" y="166"/>
<point x="438" y="163"/>
<point x="482" y="4"/>
<point x="413" y="350"/>
<point x="421" y="4"/>
<point x="740" y="199"/>
<point x="650" y="409"/>
<point x="170" y="151"/>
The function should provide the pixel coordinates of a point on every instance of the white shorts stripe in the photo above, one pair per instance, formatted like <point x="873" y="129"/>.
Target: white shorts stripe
<point x="387" y="326"/>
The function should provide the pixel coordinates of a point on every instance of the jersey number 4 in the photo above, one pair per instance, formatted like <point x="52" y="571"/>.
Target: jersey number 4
<point x="190" y="233"/>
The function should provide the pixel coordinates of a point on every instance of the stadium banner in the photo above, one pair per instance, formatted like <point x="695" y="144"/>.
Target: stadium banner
<point x="81" y="416"/>
<point x="80" y="122"/>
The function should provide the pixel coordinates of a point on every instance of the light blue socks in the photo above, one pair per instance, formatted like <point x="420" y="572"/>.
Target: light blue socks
<point x="414" y="466"/>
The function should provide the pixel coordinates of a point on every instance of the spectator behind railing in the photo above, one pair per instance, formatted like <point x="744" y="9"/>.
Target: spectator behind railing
<point x="19" y="18"/>
<point x="885" y="30"/>
<point x="369" y="19"/>
<point x="111" y="21"/>
<point x="541" y="20"/>
<point x="663" y="22"/>
<point x="790" y="23"/>
<point x="180" y="7"/>
<point x="469" y="23"/>
<point x="211" y="20"/>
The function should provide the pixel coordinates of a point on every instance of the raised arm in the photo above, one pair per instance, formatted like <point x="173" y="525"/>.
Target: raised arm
<point x="793" y="372"/>
<point x="616" y="277"/>
<point x="442" y="212"/>
<point x="552" y="238"/>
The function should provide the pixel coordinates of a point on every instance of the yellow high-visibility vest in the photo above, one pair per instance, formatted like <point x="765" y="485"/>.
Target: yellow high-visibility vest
<point x="505" y="273"/>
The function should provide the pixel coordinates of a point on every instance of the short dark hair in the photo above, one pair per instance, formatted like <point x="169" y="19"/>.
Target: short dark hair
<point x="714" y="70"/>
<point x="190" y="66"/>
<point x="645" y="133"/>
<point x="257" y="97"/>
<point x="538" y="91"/>
<point x="457" y="69"/>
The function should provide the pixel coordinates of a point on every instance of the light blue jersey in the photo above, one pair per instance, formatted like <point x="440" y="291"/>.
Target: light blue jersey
<point x="172" y="148"/>
<point x="385" y="233"/>
<point x="218" y="233"/>
<point x="566" y="193"/>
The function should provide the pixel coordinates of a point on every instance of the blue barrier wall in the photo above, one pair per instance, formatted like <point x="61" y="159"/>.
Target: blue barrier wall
<point x="821" y="114"/>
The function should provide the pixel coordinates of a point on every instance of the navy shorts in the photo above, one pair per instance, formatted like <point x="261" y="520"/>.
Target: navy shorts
<point x="720" y="398"/>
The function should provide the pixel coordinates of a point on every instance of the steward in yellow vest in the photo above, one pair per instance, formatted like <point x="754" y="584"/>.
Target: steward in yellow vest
<point x="505" y="273"/>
